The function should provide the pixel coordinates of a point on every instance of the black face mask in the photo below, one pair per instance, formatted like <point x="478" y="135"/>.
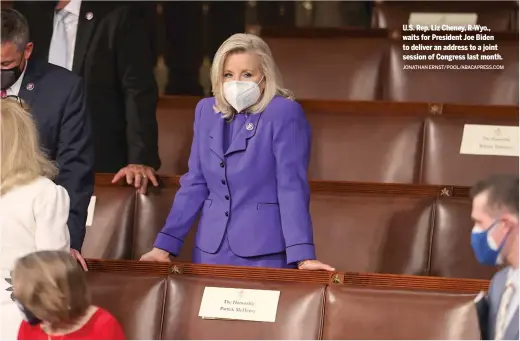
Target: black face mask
<point x="9" y="76"/>
<point x="28" y="316"/>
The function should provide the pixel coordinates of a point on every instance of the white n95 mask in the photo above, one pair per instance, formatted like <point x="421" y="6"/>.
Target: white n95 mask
<point x="241" y="94"/>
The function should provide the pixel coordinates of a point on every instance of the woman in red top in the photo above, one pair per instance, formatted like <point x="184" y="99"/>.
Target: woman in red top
<point x="51" y="290"/>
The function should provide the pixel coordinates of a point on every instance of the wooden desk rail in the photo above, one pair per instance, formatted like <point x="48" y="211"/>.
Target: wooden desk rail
<point x="318" y="186"/>
<point x="365" y="280"/>
<point x="508" y="112"/>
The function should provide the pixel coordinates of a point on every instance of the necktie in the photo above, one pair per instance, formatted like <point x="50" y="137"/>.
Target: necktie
<point x="58" y="49"/>
<point x="501" y="323"/>
<point x="3" y="94"/>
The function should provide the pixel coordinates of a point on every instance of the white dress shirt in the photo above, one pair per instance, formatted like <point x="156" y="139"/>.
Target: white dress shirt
<point x="71" y="27"/>
<point x="14" y="90"/>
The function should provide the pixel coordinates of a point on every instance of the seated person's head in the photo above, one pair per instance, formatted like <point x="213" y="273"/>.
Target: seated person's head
<point x="51" y="286"/>
<point x="495" y="213"/>
<point x="21" y="156"/>
<point x="16" y="47"/>
<point x="244" y="75"/>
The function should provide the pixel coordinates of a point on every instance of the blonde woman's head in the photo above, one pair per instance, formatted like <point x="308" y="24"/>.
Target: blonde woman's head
<point x="246" y="57"/>
<point x="21" y="156"/>
<point x="52" y="286"/>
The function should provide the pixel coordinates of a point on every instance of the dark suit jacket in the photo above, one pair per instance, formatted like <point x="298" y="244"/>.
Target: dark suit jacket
<point x="114" y="56"/>
<point x="57" y="102"/>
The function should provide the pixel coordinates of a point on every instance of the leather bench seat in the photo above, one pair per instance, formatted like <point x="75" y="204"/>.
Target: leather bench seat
<point x="367" y="65"/>
<point x="373" y="233"/>
<point x="331" y="68"/>
<point x="136" y="301"/>
<point x="367" y="314"/>
<point x="442" y="161"/>
<point x="451" y="254"/>
<point x="378" y="232"/>
<point x="111" y="233"/>
<point x="365" y="148"/>
<point x="299" y="315"/>
<point x="368" y="142"/>
<point x="167" y="308"/>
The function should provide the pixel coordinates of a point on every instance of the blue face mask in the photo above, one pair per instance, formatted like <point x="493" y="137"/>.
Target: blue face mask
<point x="485" y="253"/>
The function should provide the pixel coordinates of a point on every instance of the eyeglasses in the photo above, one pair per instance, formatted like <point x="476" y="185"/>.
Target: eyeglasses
<point x="15" y="98"/>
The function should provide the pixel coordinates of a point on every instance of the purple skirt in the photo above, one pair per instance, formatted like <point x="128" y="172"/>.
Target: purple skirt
<point x="226" y="256"/>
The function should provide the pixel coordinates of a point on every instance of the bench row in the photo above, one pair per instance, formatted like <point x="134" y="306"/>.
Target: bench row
<point x="166" y="307"/>
<point x="406" y="229"/>
<point x="368" y="141"/>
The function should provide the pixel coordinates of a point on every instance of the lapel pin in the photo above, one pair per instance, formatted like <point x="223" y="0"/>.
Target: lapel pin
<point x="250" y="126"/>
<point x="30" y="86"/>
<point x="89" y="16"/>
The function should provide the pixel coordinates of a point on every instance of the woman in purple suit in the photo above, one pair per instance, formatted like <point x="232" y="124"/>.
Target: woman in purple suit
<point x="247" y="169"/>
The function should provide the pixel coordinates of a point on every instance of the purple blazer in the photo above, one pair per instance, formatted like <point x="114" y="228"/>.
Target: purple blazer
<point x="257" y="189"/>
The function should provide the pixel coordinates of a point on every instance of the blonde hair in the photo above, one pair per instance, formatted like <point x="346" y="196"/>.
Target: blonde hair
<point x="52" y="285"/>
<point x="240" y="43"/>
<point x="22" y="158"/>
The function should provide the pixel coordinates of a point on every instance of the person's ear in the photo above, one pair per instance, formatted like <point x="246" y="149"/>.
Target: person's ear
<point x="510" y="222"/>
<point x="28" y="50"/>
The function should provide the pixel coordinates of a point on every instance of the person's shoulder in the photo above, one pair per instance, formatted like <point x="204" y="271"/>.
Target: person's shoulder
<point x="205" y="108"/>
<point x="27" y="331"/>
<point x="501" y="276"/>
<point x="104" y="316"/>
<point x="283" y="109"/>
<point x="206" y="104"/>
<point x="47" y="190"/>
<point x="66" y="77"/>
<point x="104" y="321"/>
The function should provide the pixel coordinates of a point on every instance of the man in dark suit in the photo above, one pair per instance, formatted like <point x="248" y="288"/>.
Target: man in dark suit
<point x="56" y="100"/>
<point x="106" y="43"/>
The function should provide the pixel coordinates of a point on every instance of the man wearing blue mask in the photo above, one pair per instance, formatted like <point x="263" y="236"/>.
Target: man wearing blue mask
<point x="495" y="242"/>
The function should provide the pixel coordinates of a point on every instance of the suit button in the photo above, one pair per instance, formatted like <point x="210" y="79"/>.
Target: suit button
<point x="227" y="214"/>
<point x="222" y="164"/>
<point x="223" y="181"/>
<point x="227" y="197"/>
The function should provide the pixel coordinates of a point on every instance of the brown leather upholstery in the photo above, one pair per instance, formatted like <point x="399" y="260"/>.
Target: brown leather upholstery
<point x="373" y="233"/>
<point x="336" y="68"/>
<point x="381" y="233"/>
<point x="299" y="315"/>
<point x="167" y="307"/>
<point x="494" y="14"/>
<point x="367" y="65"/>
<point x="152" y="211"/>
<point x="365" y="314"/>
<point x="352" y="145"/>
<point x="136" y="301"/>
<point x="110" y="235"/>
<point x="442" y="161"/>
<point x="355" y="147"/>
<point x="175" y="129"/>
<point x="451" y="253"/>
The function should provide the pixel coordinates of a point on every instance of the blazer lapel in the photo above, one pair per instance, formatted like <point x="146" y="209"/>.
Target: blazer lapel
<point x="86" y="23"/>
<point x="239" y="143"/>
<point x="217" y="138"/>
<point x="29" y="87"/>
